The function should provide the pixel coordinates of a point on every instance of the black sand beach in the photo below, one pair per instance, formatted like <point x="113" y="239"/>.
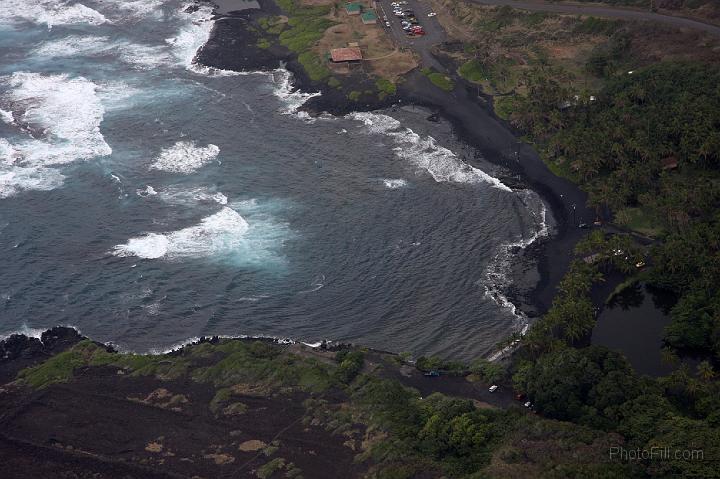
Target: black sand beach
<point x="471" y="117"/>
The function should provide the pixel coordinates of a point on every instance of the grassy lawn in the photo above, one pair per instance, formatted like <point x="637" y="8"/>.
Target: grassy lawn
<point x="638" y="220"/>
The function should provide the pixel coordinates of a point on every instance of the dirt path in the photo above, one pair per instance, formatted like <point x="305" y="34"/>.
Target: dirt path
<point x="609" y="12"/>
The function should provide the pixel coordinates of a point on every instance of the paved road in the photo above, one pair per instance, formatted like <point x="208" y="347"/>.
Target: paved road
<point x="609" y="12"/>
<point x="435" y="33"/>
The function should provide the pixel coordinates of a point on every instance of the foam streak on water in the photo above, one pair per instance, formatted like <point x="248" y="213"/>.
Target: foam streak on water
<point x="425" y="153"/>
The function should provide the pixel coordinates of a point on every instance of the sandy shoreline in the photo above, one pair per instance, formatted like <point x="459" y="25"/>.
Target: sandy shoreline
<point x="473" y="122"/>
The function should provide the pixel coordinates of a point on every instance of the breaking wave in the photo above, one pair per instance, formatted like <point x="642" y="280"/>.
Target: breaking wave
<point x="442" y="164"/>
<point x="60" y="118"/>
<point x="497" y="281"/>
<point x="49" y="12"/>
<point x="185" y="157"/>
<point x="287" y="93"/>
<point x="193" y="36"/>
<point x="217" y="234"/>
<point x="394" y="183"/>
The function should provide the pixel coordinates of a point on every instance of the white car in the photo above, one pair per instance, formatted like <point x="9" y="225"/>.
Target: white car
<point x="527" y="404"/>
<point x="493" y="388"/>
<point x="387" y="24"/>
<point x="432" y="14"/>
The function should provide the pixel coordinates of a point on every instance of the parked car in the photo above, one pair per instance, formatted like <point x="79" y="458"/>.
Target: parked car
<point x="493" y="388"/>
<point x="527" y="404"/>
<point x="387" y="24"/>
<point x="432" y="14"/>
<point x="432" y="374"/>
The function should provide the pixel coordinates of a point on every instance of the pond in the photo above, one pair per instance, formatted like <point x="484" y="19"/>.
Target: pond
<point x="633" y="323"/>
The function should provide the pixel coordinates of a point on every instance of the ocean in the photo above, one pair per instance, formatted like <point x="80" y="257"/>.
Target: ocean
<point x="147" y="200"/>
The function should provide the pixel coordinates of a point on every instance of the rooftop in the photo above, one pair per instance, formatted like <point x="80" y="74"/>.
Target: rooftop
<point x="353" y="7"/>
<point x="346" y="54"/>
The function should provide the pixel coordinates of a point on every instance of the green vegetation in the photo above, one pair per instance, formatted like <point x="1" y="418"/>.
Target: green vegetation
<point x="385" y="87"/>
<point x="267" y="470"/>
<point x="617" y="146"/>
<point x="59" y="368"/>
<point x="354" y="95"/>
<point x="314" y="66"/>
<point x="439" y="80"/>
<point x="473" y="70"/>
<point x="304" y="28"/>
<point x="351" y="362"/>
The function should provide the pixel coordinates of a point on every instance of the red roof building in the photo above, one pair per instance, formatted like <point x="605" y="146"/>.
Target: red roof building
<point x="349" y="54"/>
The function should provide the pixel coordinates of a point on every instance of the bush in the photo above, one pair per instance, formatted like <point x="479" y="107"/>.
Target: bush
<point x="386" y="86"/>
<point x="354" y="95"/>
<point x="313" y="66"/>
<point x="441" y="81"/>
<point x="350" y="365"/>
<point x="473" y="71"/>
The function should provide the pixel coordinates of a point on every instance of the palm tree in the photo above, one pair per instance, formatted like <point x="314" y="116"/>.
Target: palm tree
<point x="669" y="356"/>
<point x="705" y="371"/>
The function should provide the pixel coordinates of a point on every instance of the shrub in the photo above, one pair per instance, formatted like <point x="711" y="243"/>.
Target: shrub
<point x="441" y="81"/>
<point x="386" y="86"/>
<point x="473" y="71"/>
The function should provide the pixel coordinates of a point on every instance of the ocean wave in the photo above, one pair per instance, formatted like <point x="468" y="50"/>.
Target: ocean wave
<point x="7" y="116"/>
<point x="135" y="9"/>
<point x="185" y="157"/>
<point x="394" y="183"/>
<point x="67" y="110"/>
<point x="63" y="116"/>
<point x="290" y="96"/>
<point x="192" y="36"/>
<point x="191" y="196"/>
<point x="16" y="179"/>
<point x="139" y="56"/>
<point x="497" y="281"/>
<point x="217" y="234"/>
<point x="49" y="12"/>
<point x="145" y="192"/>
<point x="73" y="45"/>
<point x="442" y="164"/>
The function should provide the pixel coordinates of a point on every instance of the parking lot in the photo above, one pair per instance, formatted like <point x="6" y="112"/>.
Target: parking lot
<point x="422" y="44"/>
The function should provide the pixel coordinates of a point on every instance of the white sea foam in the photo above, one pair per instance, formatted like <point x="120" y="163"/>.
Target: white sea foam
<point x="185" y="157"/>
<point x="49" y="12"/>
<point x="64" y="114"/>
<point x="136" y="9"/>
<point x="292" y="97"/>
<point x="15" y="179"/>
<point x="7" y="116"/>
<point x="66" y="109"/>
<point x="217" y="234"/>
<point x="394" y="183"/>
<point x="192" y="36"/>
<point x="73" y="45"/>
<point x="140" y="56"/>
<point x="496" y="281"/>
<point x="190" y="196"/>
<point x="147" y="191"/>
<point x="442" y="164"/>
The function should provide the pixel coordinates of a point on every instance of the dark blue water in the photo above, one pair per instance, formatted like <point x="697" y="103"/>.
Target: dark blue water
<point x="146" y="200"/>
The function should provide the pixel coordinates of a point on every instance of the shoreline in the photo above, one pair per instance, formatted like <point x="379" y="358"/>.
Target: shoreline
<point x="472" y="123"/>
